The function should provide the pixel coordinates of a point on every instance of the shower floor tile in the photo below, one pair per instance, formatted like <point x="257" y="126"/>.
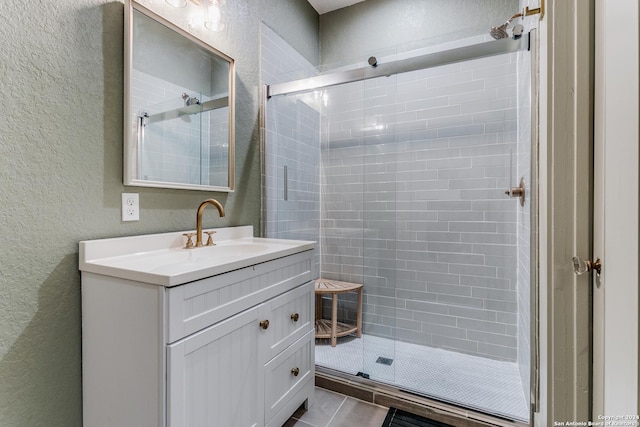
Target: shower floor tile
<point x="475" y="382"/>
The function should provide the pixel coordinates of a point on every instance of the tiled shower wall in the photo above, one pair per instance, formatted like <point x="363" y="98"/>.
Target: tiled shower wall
<point x="414" y="169"/>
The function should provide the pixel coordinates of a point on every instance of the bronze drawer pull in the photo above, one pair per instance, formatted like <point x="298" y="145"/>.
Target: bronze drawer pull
<point x="264" y="324"/>
<point x="295" y="372"/>
<point x="295" y="317"/>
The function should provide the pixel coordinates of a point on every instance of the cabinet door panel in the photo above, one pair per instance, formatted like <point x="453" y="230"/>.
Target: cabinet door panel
<point x="214" y="377"/>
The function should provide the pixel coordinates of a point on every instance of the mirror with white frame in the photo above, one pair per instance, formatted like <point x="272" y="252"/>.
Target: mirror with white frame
<point x="179" y="107"/>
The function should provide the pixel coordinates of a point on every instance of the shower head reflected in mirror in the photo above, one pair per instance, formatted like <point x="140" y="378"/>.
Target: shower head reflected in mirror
<point x="517" y="31"/>
<point x="501" y="31"/>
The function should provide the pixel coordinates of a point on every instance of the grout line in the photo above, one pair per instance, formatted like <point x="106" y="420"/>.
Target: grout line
<point x="368" y="402"/>
<point x="338" y="410"/>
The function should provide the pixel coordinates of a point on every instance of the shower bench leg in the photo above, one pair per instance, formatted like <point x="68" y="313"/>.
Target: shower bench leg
<point x="337" y="329"/>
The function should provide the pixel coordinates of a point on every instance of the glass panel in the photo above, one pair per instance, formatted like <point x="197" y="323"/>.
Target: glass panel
<point x="292" y="168"/>
<point x="380" y="150"/>
<point x="526" y="223"/>
<point x="342" y="226"/>
<point x="458" y="233"/>
<point x="414" y="173"/>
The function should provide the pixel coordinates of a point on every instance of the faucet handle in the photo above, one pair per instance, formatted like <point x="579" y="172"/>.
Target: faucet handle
<point x="209" y="239"/>
<point x="189" y="244"/>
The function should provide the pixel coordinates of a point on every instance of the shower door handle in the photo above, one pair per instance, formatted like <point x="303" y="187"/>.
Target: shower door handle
<point x="517" y="192"/>
<point x="286" y="183"/>
<point x="584" y="266"/>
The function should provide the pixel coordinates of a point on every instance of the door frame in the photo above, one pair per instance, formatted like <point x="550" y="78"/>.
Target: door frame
<point x="565" y="206"/>
<point x="615" y="292"/>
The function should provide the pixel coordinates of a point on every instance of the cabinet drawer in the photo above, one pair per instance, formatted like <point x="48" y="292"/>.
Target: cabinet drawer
<point x="197" y="305"/>
<point x="290" y="318"/>
<point x="287" y="373"/>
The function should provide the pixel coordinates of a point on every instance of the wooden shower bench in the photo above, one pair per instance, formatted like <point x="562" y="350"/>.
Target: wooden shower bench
<point x="333" y="329"/>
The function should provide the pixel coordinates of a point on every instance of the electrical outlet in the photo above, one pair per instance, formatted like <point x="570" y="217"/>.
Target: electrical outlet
<point x="130" y="207"/>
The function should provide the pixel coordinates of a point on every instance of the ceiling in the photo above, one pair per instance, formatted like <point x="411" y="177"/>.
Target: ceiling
<point x="324" y="6"/>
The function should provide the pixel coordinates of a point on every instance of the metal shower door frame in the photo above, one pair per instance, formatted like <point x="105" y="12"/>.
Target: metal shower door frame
<point x="430" y="60"/>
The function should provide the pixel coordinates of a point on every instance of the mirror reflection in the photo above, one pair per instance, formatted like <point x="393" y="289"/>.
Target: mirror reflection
<point x="180" y="108"/>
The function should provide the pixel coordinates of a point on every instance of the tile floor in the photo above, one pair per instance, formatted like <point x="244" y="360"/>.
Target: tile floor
<point x="487" y="385"/>
<point x="336" y="410"/>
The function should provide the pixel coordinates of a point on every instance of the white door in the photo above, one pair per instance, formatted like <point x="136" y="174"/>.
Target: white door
<point x="214" y="376"/>
<point x="615" y="316"/>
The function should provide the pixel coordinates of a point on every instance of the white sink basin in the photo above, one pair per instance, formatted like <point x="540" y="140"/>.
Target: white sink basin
<point x="161" y="258"/>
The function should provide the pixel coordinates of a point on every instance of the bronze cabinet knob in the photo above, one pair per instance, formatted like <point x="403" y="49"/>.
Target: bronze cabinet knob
<point x="264" y="324"/>
<point x="295" y="372"/>
<point x="295" y="317"/>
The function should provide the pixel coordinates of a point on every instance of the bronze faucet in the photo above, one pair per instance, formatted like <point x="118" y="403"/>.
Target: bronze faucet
<point x="203" y="205"/>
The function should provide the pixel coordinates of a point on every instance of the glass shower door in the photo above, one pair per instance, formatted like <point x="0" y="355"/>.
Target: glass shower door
<point x="379" y="129"/>
<point x="292" y="170"/>
<point x="358" y="223"/>
<point x="461" y="323"/>
<point x="422" y="160"/>
<point x="412" y="204"/>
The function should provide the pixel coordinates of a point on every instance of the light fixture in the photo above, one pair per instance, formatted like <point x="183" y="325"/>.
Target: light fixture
<point x="212" y="15"/>
<point x="182" y="3"/>
<point x="213" y="19"/>
<point x="177" y="3"/>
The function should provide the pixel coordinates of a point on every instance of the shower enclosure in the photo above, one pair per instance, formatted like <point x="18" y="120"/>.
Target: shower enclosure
<point x="407" y="173"/>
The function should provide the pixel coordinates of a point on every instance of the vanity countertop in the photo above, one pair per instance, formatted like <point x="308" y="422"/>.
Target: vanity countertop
<point x="161" y="259"/>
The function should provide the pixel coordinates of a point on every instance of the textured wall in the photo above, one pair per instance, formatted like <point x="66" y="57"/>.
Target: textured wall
<point x="61" y="176"/>
<point x="380" y="27"/>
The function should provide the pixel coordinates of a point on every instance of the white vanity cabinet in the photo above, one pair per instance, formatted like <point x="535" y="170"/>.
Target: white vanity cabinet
<point x="232" y="349"/>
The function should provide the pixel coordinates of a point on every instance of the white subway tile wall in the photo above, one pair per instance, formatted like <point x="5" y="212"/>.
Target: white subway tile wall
<point x="403" y="180"/>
